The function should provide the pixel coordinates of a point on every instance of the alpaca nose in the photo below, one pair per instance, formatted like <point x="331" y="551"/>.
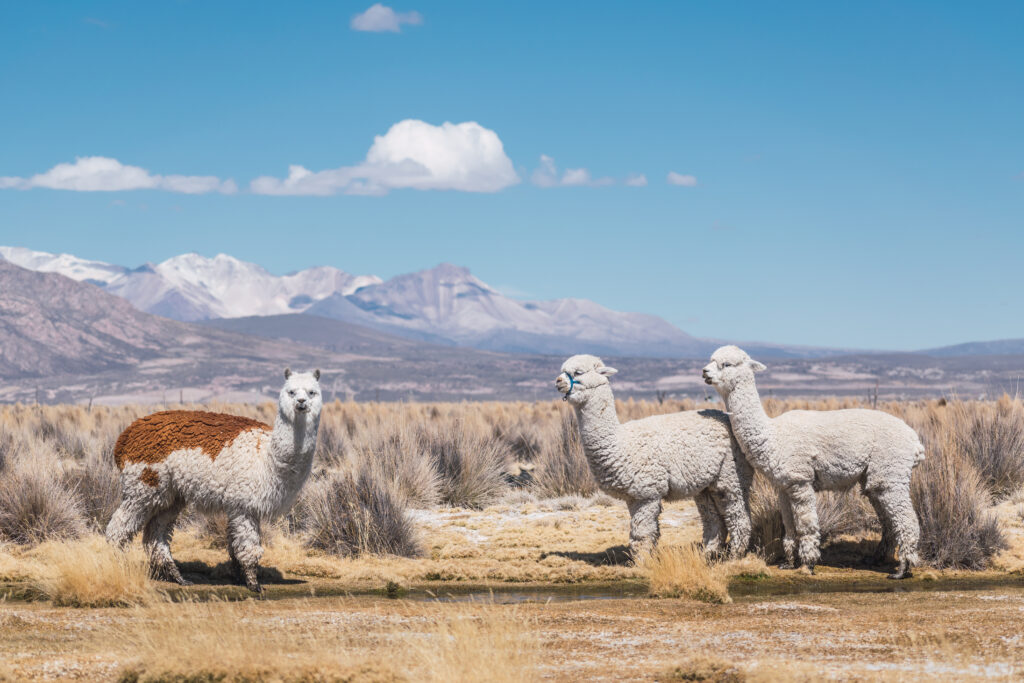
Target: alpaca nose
<point x="301" y="401"/>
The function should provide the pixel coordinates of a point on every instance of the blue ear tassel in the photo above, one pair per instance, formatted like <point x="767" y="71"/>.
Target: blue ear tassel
<point x="572" y="383"/>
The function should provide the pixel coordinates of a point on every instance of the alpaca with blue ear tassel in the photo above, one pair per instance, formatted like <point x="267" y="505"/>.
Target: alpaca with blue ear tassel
<point x="217" y="463"/>
<point x="689" y="454"/>
<point x="804" y="451"/>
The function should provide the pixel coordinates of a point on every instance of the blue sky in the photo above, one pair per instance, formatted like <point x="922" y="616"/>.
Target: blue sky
<point x="858" y="167"/>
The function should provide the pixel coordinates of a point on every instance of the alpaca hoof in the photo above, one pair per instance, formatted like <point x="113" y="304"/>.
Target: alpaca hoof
<point x="184" y="582"/>
<point x="255" y="588"/>
<point x="787" y="565"/>
<point x="902" y="573"/>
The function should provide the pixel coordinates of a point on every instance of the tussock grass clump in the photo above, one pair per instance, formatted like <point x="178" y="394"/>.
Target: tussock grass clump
<point x="751" y="567"/>
<point x="992" y="437"/>
<point x="36" y="505"/>
<point x="562" y="467"/>
<point x="217" y="641"/>
<point x="479" y="646"/>
<point x="471" y="468"/>
<point x="766" y="528"/>
<point x="704" y="668"/>
<point x="845" y="513"/>
<point x="90" y="573"/>
<point x="97" y="483"/>
<point x="685" y="572"/>
<point x="958" y="529"/>
<point x="351" y="514"/>
<point x="401" y="461"/>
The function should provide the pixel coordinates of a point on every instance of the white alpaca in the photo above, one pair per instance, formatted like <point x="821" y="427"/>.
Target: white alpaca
<point x="804" y="451"/>
<point x="665" y="457"/>
<point x="217" y="463"/>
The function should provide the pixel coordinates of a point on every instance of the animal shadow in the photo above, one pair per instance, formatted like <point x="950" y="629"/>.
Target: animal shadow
<point x="616" y="555"/>
<point x="222" y="574"/>
<point x="855" y="554"/>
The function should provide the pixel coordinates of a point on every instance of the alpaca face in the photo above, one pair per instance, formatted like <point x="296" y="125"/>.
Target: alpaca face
<point x="580" y="376"/>
<point x="301" y="394"/>
<point x="729" y="366"/>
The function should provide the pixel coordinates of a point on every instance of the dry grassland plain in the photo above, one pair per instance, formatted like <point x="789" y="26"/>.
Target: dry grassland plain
<point x="465" y="542"/>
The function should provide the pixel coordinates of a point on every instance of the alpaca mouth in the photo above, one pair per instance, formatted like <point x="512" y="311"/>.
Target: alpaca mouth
<point x="302" y="408"/>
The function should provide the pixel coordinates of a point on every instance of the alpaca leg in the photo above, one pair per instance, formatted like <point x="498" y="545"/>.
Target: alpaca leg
<point x="156" y="539"/>
<point x="236" y="566"/>
<point x="643" y="527"/>
<point x="244" y="541"/>
<point x="711" y="520"/>
<point x="906" y="530"/>
<point x="736" y="513"/>
<point x="805" y="521"/>
<point x="884" y="550"/>
<point x="127" y="521"/>
<point x="789" y="533"/>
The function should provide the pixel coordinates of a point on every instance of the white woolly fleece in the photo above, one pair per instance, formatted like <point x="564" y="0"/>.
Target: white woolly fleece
<point x="688" y="454"/>
<point x="803" y="451"/>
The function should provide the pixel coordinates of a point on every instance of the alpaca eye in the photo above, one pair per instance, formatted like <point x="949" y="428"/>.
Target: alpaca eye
<point x="312" y="393"/>
<point x="726" y="365"/>
<point x="291" y="392"/>
<point x="577" y="373"/>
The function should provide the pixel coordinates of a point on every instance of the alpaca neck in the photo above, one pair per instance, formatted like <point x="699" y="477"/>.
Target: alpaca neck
<point x="599" y="425"/>
<point x="293" y="441"/>
<point x="750" y="424"/>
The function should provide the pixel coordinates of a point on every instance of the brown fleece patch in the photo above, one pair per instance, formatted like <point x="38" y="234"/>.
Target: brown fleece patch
<point x="149" y="477"/>
<point x="152" y="438"/>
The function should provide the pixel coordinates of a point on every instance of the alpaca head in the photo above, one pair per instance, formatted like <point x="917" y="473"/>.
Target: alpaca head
<point x="580" y="376"/>
<point x="730" y="366"/>
<point x="300" y="395"/>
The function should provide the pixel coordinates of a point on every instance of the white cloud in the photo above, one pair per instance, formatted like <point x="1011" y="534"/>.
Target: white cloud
<point x="681" y="179"/>
<point x="103" y="174"/>
<point x="412" y="154"/>
<point x="381" y="18"/>
<point x="636" y="180"/>
<point x="546" y="175"/>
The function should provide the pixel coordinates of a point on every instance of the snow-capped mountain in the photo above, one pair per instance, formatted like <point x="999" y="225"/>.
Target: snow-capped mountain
<point x="65" y="264"/>
<point x="449" y="303"/>
<point x="446" y="304"/>
<point x="192" y="287"/>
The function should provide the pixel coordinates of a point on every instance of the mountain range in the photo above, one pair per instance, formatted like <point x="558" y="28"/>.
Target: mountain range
<point x="443" y="305"/>
<point x="63" y="340"/>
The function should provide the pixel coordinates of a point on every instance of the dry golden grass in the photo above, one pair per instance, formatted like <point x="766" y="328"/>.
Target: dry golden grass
<point x="751" y="567"/>
<point x="218" y="641"/>
<point x="675" y="571"/>
<point x="469" y="646"/>
<point x="91" y="573"/>
<point x="704" y="668"/>
<point x="14" y="566"/>
<point x="863" y="636"/>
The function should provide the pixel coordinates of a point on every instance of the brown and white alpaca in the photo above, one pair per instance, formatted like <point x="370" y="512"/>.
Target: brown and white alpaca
<point x="216" y="463"/>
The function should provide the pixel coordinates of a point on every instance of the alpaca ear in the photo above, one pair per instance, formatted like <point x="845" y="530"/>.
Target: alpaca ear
<point x="606" y="371"/>
<point x="316" y="374"/>
<point x="287" y="373"/>
<point x="757" y="367"/>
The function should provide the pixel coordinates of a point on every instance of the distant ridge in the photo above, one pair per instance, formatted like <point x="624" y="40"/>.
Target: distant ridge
<point x="1000" y="347"/>
<point x="444" y="305"/>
